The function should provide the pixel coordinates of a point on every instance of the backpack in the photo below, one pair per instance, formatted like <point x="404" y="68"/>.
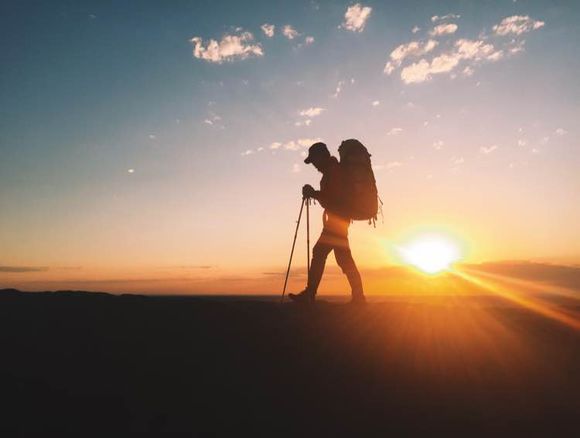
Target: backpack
<point x="361" y="200"/>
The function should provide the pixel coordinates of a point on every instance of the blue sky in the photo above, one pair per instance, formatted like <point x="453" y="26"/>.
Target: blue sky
<point x="120" y="147"/>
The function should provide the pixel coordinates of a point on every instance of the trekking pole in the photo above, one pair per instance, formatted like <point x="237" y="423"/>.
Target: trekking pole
<point x="292" y="250"/>
<point x="308" y="238"/>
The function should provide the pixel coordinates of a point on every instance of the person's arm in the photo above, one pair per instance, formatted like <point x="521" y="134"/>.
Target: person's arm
<point x="330" y="193"/>
<point x="309" y="192"/>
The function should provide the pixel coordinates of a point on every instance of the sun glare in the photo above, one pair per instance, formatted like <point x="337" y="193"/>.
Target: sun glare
<point x="430" y="253"/>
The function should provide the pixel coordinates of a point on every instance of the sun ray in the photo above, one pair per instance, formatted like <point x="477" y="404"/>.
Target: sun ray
<point x="514" y="296"/>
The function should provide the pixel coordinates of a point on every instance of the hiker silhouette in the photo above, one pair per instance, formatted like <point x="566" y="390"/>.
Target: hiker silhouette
<point x="334" y="236"/>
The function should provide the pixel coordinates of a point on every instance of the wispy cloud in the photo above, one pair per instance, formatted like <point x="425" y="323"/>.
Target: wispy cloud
<point x="436" y="18"/>
<point x="306" y="122"/>
<point x="230" y="48"/>
<point x="355" y="17"/>
<point x="393" y="164"/>
<point x="268" y="29"/>
<point x="488" y="149"/>
<point x="444" y="29"/>
<point x="213" y="119"/>
<point x="21" y="269"/>
<point x="291" y="145"/>
<point x="311" y="112"/>
<point x="289" y="32"/>
<point x="517" y="25"/>
<point x="411" y="49"/>
<point x="338" y="89"/>
<point x="463" y="50"/>
<point x="394" y="131"/>
<point x="438" y="144"/>
<point x="423" y="60"/>
<point x="388" y="166"/>
<point x="301" y="143"/>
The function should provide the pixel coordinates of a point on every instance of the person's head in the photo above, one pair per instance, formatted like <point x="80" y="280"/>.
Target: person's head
<point x="318" y="155"/>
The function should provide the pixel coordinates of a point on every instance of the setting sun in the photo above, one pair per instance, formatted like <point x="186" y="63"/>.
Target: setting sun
<point x="430" y="253"/>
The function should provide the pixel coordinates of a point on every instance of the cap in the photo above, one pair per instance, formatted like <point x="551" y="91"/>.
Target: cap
<point x="316" y="150"/>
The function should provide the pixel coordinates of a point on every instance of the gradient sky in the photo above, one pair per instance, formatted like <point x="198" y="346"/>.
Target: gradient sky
<point x="163" y="141"/>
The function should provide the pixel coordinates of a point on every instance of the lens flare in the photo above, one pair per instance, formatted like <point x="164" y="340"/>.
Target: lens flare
<point x="430" y="253"/>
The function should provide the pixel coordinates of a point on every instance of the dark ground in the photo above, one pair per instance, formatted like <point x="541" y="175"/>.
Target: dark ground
<point x="79" y="364"/>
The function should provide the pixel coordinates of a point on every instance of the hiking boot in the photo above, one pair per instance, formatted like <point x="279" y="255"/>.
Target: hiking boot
<point x="358" y="300"/>
<point x="305" y="297"/>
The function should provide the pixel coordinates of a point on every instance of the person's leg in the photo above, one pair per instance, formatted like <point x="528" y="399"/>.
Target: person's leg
<point x="319" y="254"/>
<point x="344" y="259"/>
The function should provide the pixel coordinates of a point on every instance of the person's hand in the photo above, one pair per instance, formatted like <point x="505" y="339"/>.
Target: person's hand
<point x="308" y="191"/>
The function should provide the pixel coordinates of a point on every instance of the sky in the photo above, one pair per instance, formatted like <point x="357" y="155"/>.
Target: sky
<point x="159" y="146"/>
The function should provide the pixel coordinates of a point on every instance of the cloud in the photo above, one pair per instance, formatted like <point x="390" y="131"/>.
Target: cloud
<point x="444" y="63"/>
<point x="130" y="170"/>
<point x="464" y="53"/>
<point x="230" y="48"/>
<point x="411" y="49"/>
<point x="268" y="29"/>
<point x="213" y="120"/>
<point x="289" y="32"/>
<point x="488" y="150"/>
<point x="463" y="50"/>
<point x="474" y="49"/>
<point x="247" y="152"/>
<point x="417" y="72"/>
<point x="20" y="269"/>
<point x="515" y="46"/>
<point x="390" y="165"/>
<point x="438" y="144"/>
<point x="338" y="88"/>
<point x="311" y="112"/>
<point x="444" y="29"/>
<point x="393" y="164"/>
<point x="468" y="71"/>
<point x="395" y="131"/>
<point x="436" y="18"/>
<point x="517" y="25"/>
<point x="292" y="145"/>
<point x="306" y="122"/>
<point x="308" y="40"/>
<point x="457" y="161"/>
<point x="301" y="143"/>
<point x="415" y="29"/>
<point x="356" y="16"/>
<point x="560" y="132"/>
<point x="375" y="103"/>
<point x="296" y="168"/>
